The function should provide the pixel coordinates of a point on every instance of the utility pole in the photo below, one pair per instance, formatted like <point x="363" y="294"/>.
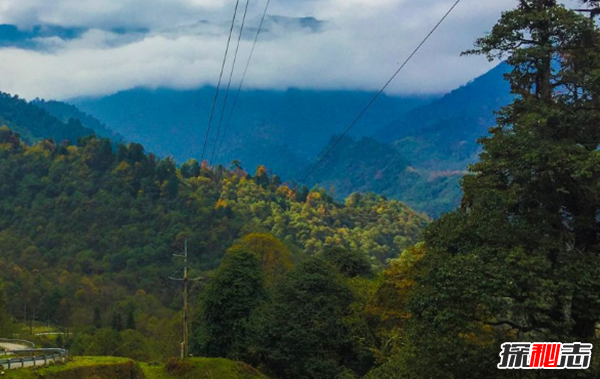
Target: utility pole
<point x="185" y="279"/>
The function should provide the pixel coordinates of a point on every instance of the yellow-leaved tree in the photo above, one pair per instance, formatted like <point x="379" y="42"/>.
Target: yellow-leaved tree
<point x="274" y="257"/>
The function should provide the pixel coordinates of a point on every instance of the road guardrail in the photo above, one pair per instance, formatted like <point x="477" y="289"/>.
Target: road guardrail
<point x="34" y="358"/>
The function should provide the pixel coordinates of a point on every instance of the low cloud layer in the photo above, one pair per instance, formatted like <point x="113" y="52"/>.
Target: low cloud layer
<point x="316" y="44"/>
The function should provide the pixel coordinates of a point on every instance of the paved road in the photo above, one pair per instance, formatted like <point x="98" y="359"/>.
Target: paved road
<point x="13" y="346"/>
<point x="28" y="355"/>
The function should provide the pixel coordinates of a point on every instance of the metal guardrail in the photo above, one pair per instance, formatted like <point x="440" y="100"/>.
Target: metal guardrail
<point x="37" y="357"/>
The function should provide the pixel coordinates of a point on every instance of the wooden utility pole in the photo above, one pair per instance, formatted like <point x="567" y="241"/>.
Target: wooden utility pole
<point x="185" y="279"/>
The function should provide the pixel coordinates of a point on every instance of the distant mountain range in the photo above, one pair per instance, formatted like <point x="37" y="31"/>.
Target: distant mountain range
<point x="284" y="130"/>
<point x="409" y="148"/>
<point x="420" y="157"/>
<point x="443" y="135"/>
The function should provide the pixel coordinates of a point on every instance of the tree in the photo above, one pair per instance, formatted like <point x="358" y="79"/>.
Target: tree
<point x="261" y="177"/>
<point x="5" y="323"/>
<point x="97" y="318"/>
<point x="275" y="259"/>
<point x="117" y="321"/>
<point x="519" y="260"/>
<point x="593" y="7"/>
<point x="104" y="342"/>
<point x="97" y="153"/>
<point x="389" y="303"/>
<point x="350" y="263"/>
<point x="301" y="334"/>
<point x="190" y="169"/>
<point x="236" y="290"/>
<point x="134" y="345"/>
<point x="130" y="322"/>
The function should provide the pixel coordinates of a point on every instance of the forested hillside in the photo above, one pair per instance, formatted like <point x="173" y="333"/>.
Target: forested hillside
<point x="420" y="157"/>
<point x="65" y="112"/>
<point x="517" y="262"/>
<point x="86" y="231"/>
<point x="420" y="152"/>
<point x="34" y="123"/>
<point x="368" y="165"/>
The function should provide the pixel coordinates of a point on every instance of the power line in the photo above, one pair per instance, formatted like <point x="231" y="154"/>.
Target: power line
<point x="239" y="90"/>
<point x="370" y="104"/>
<point x="212" y="112"/>
<point x="237" y="49"/>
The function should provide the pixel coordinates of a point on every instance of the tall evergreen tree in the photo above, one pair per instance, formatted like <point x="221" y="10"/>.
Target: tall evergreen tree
<point x="520" y="259"/>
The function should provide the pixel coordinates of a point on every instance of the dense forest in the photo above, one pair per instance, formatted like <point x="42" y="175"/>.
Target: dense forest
<point x="299" y="285"/>
<point x="367" y="165"/>
<point x="66" y="112"/>
<point x="34" y="123"/>
<point x="518" y="261"/>
<point x="87" y="231"/>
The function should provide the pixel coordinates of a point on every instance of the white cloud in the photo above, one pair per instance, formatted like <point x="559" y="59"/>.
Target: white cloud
<point x="361" y="44"/>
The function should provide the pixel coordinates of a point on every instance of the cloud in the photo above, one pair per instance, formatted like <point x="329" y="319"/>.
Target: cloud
<point x="316" y="44"/>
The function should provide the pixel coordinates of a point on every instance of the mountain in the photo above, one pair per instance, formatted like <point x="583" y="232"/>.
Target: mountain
<point x="367" y="165"/>
<point x="363" y="165"/>
<point x="65" y="112"/>
<point x="38" y="120"/>
<point x="34" y="123"/>
<point x="443" y="135"/>
<point x="411" y="149"/>
<point x="283" y="130"/>
<point x="421" y="156"/>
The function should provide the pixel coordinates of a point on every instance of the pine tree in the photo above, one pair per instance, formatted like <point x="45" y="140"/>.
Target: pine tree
<point x="520" y="258"/>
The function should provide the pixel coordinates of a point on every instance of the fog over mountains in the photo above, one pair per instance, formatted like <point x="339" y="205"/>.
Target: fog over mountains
<point x="413" y="149"/>
<point x="434" y="139"/>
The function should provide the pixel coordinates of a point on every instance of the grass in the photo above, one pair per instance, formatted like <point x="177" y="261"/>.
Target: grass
<point x="119" y="368"/>
<point x="204" y="368"/>
<point x="77" y="367"/>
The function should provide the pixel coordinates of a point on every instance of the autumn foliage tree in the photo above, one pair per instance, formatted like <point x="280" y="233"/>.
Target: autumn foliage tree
<point x="274" y="257"/>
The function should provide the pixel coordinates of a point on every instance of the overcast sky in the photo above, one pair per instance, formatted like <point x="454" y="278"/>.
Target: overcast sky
<point x="98" y="47"/>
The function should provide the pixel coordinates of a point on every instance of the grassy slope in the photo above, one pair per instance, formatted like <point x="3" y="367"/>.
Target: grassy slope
<point x="84" y="367"/>
<point x="206" y="368"/>
<point x="121" y="368"/>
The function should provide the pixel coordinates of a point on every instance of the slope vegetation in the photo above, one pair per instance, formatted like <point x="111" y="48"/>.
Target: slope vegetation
<point x="34" y="123"/>
<point x="83" y="227"/>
